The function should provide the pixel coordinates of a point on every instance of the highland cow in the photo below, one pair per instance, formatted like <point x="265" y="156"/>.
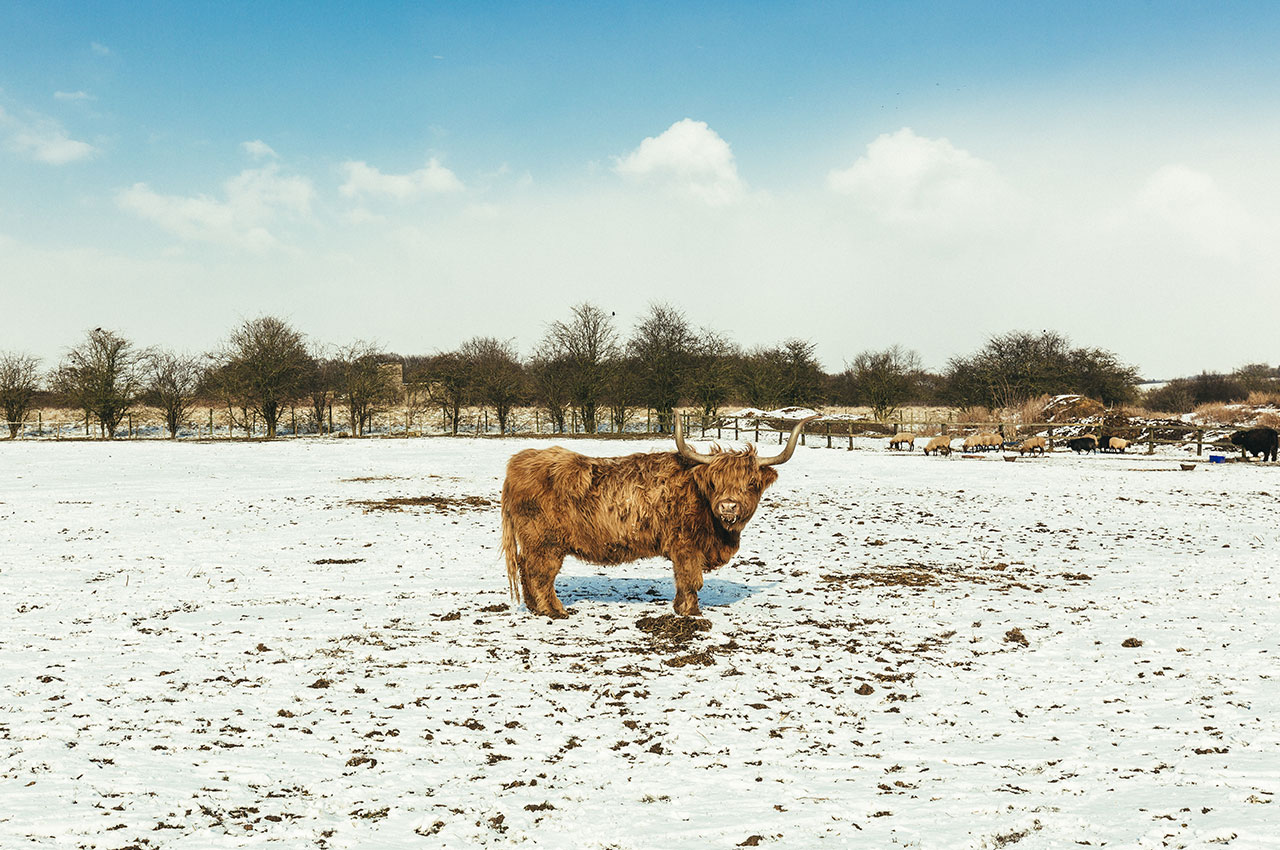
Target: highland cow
<point x="685" y="506"/>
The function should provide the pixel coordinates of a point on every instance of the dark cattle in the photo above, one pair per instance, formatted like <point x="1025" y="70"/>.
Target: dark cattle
<point x="1258" y="441"/>
<point x="683" y="505"/>
<point x="1087" y="443"/>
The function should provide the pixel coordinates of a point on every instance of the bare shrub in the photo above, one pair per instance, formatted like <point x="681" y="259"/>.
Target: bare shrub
<point x="970" y="415"/>
<point x="1221" y="414"/>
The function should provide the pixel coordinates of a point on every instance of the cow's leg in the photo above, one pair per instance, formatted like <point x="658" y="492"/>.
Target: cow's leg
<point x="688" y="570"/>
<point x="538" y="579"/>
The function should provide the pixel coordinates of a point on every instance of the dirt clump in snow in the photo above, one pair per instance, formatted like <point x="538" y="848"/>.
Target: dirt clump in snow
<point x="672" y="629"/>
<point x="672" y="633"/>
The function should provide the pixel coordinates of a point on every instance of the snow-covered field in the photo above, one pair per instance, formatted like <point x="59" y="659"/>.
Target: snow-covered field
<point x="234" y="645"/>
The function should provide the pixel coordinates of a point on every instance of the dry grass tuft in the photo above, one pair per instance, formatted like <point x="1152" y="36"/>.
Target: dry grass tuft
<point x="1222" y="414"/>
<point x="1263" y="398"/>
<point x="1268" y="419"/>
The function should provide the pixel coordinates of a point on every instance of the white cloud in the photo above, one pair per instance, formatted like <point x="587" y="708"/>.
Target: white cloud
<point x="905" y="178"/>
<point x="690" y="159"/>
<point x="100" y="49"/>
<point x="42" y="139"/>
<point x="364" y="179"/>
<point x="72" y="95"/>
<point x="255" y="199"/>
<point x="258" y="149"/>
<point x="1190" y="204"/>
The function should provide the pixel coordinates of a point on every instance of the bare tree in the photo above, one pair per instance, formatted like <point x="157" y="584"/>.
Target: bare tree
<point x="320" y="385"/>
<point x="497" y="378"/>
<point x="549" y="379"/>
<point x="663" y="345"/>
<point x="222" y="381"/>
<point x="363" y="384"/>
<point x="804" y="378"/>
<point x="446" y="378"/>
<point x="269" y="362"/>
<point x="585" y="344"/>
<point x="882" y="380"/>
<point x="711" y="377"/>
<point x="762" y="377"/>
<point x="172" y="382"/>
<point x="622" y="391"/>
<point x="102" y="376"/>
<point x="19" y="380"/>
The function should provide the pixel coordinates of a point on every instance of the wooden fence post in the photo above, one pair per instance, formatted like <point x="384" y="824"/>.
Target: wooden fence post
<point x="1199" y="441"/>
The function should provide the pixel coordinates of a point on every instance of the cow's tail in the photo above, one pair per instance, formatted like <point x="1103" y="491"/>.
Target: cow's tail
<point x="509" y="547"/>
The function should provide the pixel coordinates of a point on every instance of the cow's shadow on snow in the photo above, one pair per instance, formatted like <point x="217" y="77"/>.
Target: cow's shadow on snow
<point x="715" y="592"/>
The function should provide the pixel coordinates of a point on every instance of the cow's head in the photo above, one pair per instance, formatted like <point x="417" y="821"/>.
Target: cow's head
<point x="1238" y="438"/>
<point x="732" y="482"/>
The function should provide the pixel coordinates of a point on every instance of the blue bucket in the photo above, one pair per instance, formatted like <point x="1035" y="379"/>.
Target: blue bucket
<point x="1217" y="458"/>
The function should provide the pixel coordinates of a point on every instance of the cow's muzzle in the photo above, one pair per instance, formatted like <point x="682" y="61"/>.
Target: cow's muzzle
<point x="730" y="513"/>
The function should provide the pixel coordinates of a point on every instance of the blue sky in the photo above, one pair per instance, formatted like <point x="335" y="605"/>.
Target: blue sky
<point x="845" y="172"/>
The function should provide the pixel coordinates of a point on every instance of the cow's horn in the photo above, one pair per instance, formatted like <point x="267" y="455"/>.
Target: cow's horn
<point x="683" y="449"/>
<point x="785" y="454"/>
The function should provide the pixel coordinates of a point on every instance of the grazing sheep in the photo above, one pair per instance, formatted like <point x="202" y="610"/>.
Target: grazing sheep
<point x="899" y="440"/>
<point x="1114" y="444"/>
<point x="1031" y="444"/>
<point x="983" y="442"/>
<point x="939" y="446"/>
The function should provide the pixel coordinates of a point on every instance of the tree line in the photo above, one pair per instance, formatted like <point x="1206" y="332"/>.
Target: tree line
<point x="585" y="373"/>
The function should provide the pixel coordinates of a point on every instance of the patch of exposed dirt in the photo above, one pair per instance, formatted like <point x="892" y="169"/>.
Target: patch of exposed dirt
<point x="1000" y="576"/>
<point x="364" y="478"/>
<point x="339" y="561"/>
<point x="441" y="504"/>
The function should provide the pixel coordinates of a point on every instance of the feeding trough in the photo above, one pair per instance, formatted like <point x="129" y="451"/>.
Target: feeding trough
<point x="1187" y="467"/>
<point x="1011" y="458"/>
<point x="1217" y="458"/>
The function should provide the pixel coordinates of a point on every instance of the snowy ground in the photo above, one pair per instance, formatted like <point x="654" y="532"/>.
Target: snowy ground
<point x="234" y="645"/>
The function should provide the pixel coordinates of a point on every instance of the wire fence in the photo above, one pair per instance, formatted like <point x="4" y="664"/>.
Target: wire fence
<point x="832" y="431"/>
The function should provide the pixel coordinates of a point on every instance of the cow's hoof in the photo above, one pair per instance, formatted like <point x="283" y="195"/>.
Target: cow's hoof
<point x="688" y="610"/>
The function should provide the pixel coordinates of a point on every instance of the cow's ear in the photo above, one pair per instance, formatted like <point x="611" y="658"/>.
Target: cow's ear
<point x="770" y="475"/>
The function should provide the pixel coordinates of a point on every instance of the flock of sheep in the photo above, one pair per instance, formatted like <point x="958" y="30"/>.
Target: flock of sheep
<point x="987" y="442"/>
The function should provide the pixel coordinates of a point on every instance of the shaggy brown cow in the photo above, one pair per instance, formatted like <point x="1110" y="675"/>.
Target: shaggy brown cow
<point x="683" y="505"/>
